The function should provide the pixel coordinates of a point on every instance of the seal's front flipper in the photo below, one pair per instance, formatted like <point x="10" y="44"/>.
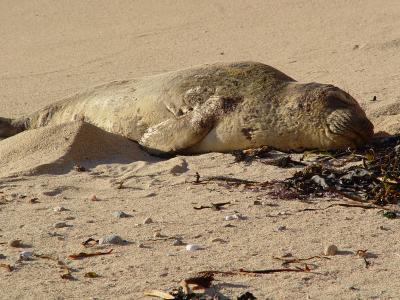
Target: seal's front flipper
<point x="10" y="127"/>
<point x="177" y="134"/>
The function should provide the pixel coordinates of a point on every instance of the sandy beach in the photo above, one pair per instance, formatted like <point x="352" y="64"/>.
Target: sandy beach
<point x="51" y="50"/>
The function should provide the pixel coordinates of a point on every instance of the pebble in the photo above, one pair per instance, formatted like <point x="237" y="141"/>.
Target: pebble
<point x="281" y="228"/>
<point x="15" y="243"/>
<point x="111" y="239"/>
<point x="141" y="245"/>
<point x="60" y="225"/>
<point x="234" y="217"/>
<point x="331" y="250"/>
<point x="192" y="247"/>
<point x="25" y="255"/>
<point x="93" y="198"/>
<point x="257" y="202"/>
<point x="2" y="256"/>
<point x="148" y="220"/>
<point x="178" y="242"/>
<point x="120" y="214"/>
<point x="59" y="208"/>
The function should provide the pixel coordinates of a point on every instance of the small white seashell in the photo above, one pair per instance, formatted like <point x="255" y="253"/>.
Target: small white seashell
<point x="192" y="247"/>
<point x="59" y="208"/>
<point x="120" y="214"/>
<point x="234" y="217"/>
<point x="25" y="255"/>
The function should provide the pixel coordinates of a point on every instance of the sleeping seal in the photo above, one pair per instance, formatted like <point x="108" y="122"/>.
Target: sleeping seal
<point x="219" y="107"/>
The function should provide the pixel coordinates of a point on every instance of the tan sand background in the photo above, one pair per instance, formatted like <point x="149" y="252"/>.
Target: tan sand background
<point x="51" y="49"/>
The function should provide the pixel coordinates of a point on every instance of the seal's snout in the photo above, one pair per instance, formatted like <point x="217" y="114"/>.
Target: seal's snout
<point x="353" y="126"/>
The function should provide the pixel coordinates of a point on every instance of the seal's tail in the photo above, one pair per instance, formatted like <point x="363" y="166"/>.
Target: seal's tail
<point x="10" y="127"/>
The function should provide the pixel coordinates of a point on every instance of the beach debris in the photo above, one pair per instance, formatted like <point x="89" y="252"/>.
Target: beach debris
<point x="225" y="179"/>
<point x="67" y="275"/>
<point x="159" y="294"/>
<point x="372" y="178"/>
<point x="281" y="228"/>
<point x="59" y="209"/>
<point x="111" y="239"/>
<point x="364" y="255"/>
<point x="148" y="220"/>
<point x="330" y="250"/>
<point x="79" y="168"/>
<point x="390" y="214"/>
<point x="91" y="275"/>
<point x="251" y="154"/>
<point x="8" y="267"/>
<point x="213" y="206"/>
<point x="83" y="255"/>
<point x="60" y="225"/>
<point x="200" y="282"/>
<point x="235" y="217"/>
<point x="66" y="271"/>
<point x="257" y="202"/>
<point x="284" y="162"/>
<point x="288" y="259"/>
<point x="306" y="269"/>
<point x="193" y="247"/>
<point x="90" y="242"/>
<point x="25" y="255"/>
<point x="218" y="240"/>
<point x="194" y="287"/>
<point x="15" y="243"/>
<point x="270" y="271"/>
<point x="246" y="296"/>
<point x="34" y="200"/>
<point x="120" y="214"/>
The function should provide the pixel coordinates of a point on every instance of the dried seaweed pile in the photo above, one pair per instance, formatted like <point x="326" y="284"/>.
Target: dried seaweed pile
<point x="375" y="180"/>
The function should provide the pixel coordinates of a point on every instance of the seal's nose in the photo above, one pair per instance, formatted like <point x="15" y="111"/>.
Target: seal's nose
<point x="354" y="126"/>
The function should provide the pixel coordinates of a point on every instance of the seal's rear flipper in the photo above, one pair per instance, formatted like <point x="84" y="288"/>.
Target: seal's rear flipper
<point x="177" y="134"/>
<point x="10" y="127"/>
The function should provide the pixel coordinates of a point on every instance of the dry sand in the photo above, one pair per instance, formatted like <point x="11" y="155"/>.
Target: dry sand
<point x="52" y="49"/>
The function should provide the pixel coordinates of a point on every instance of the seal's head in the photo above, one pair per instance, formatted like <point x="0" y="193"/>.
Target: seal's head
<point x="330" y="117"/>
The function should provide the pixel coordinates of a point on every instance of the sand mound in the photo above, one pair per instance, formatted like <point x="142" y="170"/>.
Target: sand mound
<point x="56" y="149"/>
